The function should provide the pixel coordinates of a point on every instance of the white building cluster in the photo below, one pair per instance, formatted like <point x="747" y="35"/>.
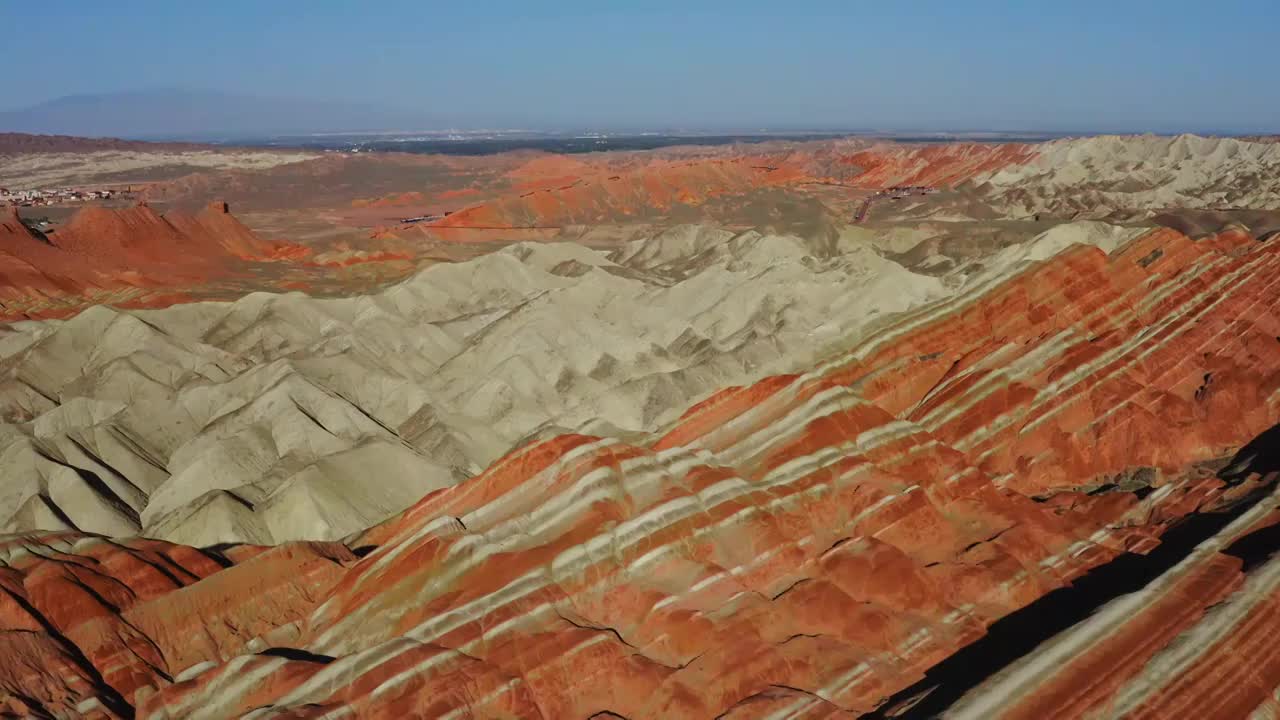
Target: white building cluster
<point x="52" y="196"/>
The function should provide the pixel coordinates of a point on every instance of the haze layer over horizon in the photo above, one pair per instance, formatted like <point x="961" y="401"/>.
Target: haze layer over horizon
<point x="1132" y="67"/>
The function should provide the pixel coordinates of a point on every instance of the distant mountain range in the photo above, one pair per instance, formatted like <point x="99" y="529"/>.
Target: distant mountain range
<point x="205" y="115"/>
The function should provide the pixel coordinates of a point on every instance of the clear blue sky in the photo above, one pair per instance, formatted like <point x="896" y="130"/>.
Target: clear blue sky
<point x="1071" y="65"/>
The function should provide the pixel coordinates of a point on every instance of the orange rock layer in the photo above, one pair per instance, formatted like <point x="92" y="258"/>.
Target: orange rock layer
<point x="101" y="249"/>
<point x="554" y="191"/>
<point x="592" y="195"/>
<point x="941" y="165"/>
<point x="809" y="546"/>
<point x="1188" y="644"/>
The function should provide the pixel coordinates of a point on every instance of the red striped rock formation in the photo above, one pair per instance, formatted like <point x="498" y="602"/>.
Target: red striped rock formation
<point x="936" y="165"/>
<point x="559" y="190"/>
<point x="87" y="623"/>
<point x="808" y="546"/>
<point x="834" y="532"/>
<point x="1185" y="645"/>
<point x="103" y="249"/>
<point x="582" y="193"/>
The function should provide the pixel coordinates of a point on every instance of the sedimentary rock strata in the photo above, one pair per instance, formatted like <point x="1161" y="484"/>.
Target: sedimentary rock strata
<point x="806" y="544"/>
<point x="251" y="421"/>
<point x="983" y="463"/>
<point x="1100" y="175"/>
<point x="101" y="251"/>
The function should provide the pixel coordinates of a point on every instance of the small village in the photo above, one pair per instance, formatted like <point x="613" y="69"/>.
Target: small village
<point x="42" y="197"/>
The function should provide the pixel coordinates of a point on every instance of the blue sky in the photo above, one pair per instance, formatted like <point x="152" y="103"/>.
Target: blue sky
<point x="1079" y="65"/>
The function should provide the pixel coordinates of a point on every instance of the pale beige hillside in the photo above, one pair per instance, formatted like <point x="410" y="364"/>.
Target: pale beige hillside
<point x="280" y="417"/>
<point x="1096" y="176"/>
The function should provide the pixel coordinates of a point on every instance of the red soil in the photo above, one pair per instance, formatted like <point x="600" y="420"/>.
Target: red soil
<point x="605" y="194"/>
<point x="554" y="191"/>
<point x="934" y="166"/>
<point x="104" y="249"/>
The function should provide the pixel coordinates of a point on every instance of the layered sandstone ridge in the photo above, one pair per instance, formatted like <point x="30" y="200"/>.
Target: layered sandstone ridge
<point x="713" y="473"/>
<point x="807" y="545"/>
<point x="1117" y="177"/>
<point x="1188" y="643"/>
<point x="282" y="417"/>
<point x="555" y="191"/>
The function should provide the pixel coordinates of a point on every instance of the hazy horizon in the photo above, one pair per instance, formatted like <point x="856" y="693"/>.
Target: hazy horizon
<point x="930" y="67"/>
<point x="428" y="124"/>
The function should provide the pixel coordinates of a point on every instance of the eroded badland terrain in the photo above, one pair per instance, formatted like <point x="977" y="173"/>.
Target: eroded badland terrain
<point x="843" y="428"/>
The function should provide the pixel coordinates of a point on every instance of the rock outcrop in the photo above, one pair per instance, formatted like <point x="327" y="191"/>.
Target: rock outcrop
<point x="941" y="165"/>
<point x="709" y="473"/>
<point x="90" y="626"/>
<point x="1097" y="176"/>
<point x="554" y="191"/>
<point x="268" y="408"/>
<point x="100" y="250"/>
<point x="811" y="544"/>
